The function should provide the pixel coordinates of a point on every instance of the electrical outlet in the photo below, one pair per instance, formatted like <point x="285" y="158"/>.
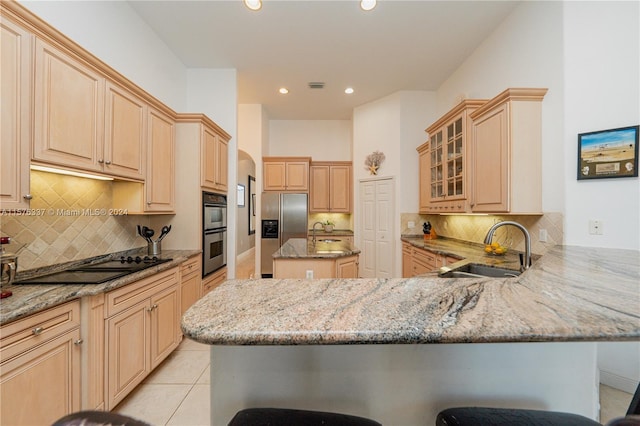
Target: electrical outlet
<point x="595" y="227"/>
<point x="411" y="224"/>
<point x="310" y="274"/>
<point x="543" y="236"/>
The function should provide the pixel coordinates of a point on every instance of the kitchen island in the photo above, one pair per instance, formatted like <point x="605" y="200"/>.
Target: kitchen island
<point x="400" y="350"/>
<point x="323" y="258"/>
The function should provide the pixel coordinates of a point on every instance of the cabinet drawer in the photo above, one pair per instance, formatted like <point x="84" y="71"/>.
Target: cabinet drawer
<point x="192" y="265"/>
<point x="21" y="335"/>
<point x="122" y="298"/>
<point x="213" y="281"/>
<point x="425" y="257"/>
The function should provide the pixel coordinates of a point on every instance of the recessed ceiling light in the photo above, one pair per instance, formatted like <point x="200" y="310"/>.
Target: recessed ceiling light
<point x="283" y="90"/>
<point x="253" y="4"/>
<point x="368" y="4"/>
<point x="348" y="90"/>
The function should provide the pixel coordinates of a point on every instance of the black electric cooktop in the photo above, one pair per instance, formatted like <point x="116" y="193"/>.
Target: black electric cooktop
<point x="97" y="273"/>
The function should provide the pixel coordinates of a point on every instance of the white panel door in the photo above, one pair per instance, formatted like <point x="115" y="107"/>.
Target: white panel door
<point x="377" y="207"/>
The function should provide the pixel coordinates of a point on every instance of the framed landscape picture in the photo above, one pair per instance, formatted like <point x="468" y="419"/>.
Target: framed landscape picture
<point x="608" y="153"/>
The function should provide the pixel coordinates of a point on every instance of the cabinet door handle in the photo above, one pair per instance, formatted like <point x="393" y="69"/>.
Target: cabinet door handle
<point x="152" y="308"/>
<point x="101" y="161"/>
<point x="37" y="331"/>
<point x="107" y="162"/>
<point x="78" y="342"/>
<point x="28" y="197"/>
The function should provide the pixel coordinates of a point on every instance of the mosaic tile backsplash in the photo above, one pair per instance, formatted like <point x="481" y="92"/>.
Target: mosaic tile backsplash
<point x="71" y="222"/>
<point x="474" y="228"/>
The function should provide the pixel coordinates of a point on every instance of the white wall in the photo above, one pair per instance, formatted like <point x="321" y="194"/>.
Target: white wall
<point x="524" y="51"/>
<point x="113" y="32"/>
<point x="395" y="126"/>
<point x="253" y="136"/>
<point x="602" y="91"/>
<point x="322" y="140"/>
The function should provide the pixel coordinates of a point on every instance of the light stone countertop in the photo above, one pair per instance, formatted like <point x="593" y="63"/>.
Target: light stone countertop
<point x="301" y="248"/>
<point x="569" y="294"/>
<point x="30" y="299"/>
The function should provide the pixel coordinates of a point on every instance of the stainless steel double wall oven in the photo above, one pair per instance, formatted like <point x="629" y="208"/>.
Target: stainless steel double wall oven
<point x="214" y="235"/>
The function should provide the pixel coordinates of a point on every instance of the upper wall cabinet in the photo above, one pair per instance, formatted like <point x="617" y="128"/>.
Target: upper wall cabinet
<point x="68" y="110"/>
<point x="506" y="153"/>
<point x="16" y="65"/>
<point x="330" y="187"/>
<point x="160" y="183"/>
<point x="214" y="157"/>
<point x="286" y="173"/>
<point x="444" y="161"/>
<point x="125" y="134"/>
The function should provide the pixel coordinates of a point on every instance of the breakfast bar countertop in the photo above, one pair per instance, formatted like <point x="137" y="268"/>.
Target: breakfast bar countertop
<point x="33" y="298"/>
<point x="569" y="294"/>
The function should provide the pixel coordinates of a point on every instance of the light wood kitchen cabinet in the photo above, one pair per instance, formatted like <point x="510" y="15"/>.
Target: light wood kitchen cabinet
<point x="68" y="110"/>
<point x="417" y="261"/>
<point x="213" y="280"/>
<point x="214" y="159"/>
<point x="347" y="267"/>
<point x="506" y="153"/>
<point x="330" y="187"/>
<point x="190" y="283"/>
<point x="329" y="267"/>
<point x="16" y="65"/>
<point x="143" y="328"/>
<point x="125" y="133"/>
<point x="160" y="183"/>
<point x="286" y="173"/>
<point x="40" y="366"/>
<point x="444" y="161"/>
<point x="406" y="260"/>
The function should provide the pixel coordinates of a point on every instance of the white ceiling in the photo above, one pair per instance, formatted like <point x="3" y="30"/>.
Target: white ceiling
<point x="400" y="45"/>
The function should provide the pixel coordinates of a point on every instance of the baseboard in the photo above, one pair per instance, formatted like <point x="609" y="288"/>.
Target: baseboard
<point x="618" y="382"/>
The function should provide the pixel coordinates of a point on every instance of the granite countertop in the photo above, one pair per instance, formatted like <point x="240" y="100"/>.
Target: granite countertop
<point x="569" y="294"/>
<point x="301" y="248"/>
<point x="29" y="299"/>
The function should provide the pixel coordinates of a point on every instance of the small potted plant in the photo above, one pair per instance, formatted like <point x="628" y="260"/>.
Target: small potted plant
<point x="328" y="226"/>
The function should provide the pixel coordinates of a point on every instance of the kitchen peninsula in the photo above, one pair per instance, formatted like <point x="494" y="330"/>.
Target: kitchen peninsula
<point x="325" y="258"/>
<point x="392" y="349"/>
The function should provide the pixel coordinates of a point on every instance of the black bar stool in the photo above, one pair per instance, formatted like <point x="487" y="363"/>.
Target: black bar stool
<point x="289" y="417"/>
<point x="87" y="418"/>
<point x="476" y="416"/>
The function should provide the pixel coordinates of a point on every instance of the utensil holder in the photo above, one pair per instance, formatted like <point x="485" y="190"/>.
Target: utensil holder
<point x="154" y="248"/>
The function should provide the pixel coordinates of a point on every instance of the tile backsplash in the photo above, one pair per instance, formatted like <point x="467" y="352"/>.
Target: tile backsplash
<point x="70" y="221"/>
<point x="474" y="228"/>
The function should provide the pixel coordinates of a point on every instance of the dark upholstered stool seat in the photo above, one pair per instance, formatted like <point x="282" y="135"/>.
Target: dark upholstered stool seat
<point x="475" y="416"/>
<point x="96" y="418"/>
<point x="288" y="417"/>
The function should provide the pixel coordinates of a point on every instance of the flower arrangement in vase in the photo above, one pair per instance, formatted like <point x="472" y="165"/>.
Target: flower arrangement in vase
<point x="328" y="226"/>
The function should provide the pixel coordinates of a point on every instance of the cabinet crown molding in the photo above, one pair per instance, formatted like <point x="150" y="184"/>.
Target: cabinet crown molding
<point x="512" y="94"/>
<point x="470" y="104"/>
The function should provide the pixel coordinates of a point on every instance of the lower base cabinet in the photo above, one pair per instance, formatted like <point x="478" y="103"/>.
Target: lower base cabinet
<point x="214" y="280"/>
<point x="331" y="267"/>
<point x="190" y="283"/>
<point x="142" y="328"/>
<point x="40" y="367"/>
<point x="416" y="261"/>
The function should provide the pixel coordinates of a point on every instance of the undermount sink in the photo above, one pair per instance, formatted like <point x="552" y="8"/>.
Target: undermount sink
<point x="476" y="270"/>
<point x="329" y="240"/>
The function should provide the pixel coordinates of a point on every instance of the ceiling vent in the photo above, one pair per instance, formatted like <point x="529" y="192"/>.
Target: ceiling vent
<point x="316" y="85"/>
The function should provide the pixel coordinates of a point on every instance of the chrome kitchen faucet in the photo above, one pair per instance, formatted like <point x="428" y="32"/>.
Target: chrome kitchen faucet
<point x="524" y="263"/>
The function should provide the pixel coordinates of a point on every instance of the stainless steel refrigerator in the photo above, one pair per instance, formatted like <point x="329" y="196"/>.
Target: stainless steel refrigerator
<point x="284" y="216"/>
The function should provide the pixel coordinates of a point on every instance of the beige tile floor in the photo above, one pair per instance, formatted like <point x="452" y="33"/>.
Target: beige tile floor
<point x="177" y="392"/>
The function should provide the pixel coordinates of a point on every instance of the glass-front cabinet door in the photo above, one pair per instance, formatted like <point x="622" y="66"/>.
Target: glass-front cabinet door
<point x="444" y="161"/>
